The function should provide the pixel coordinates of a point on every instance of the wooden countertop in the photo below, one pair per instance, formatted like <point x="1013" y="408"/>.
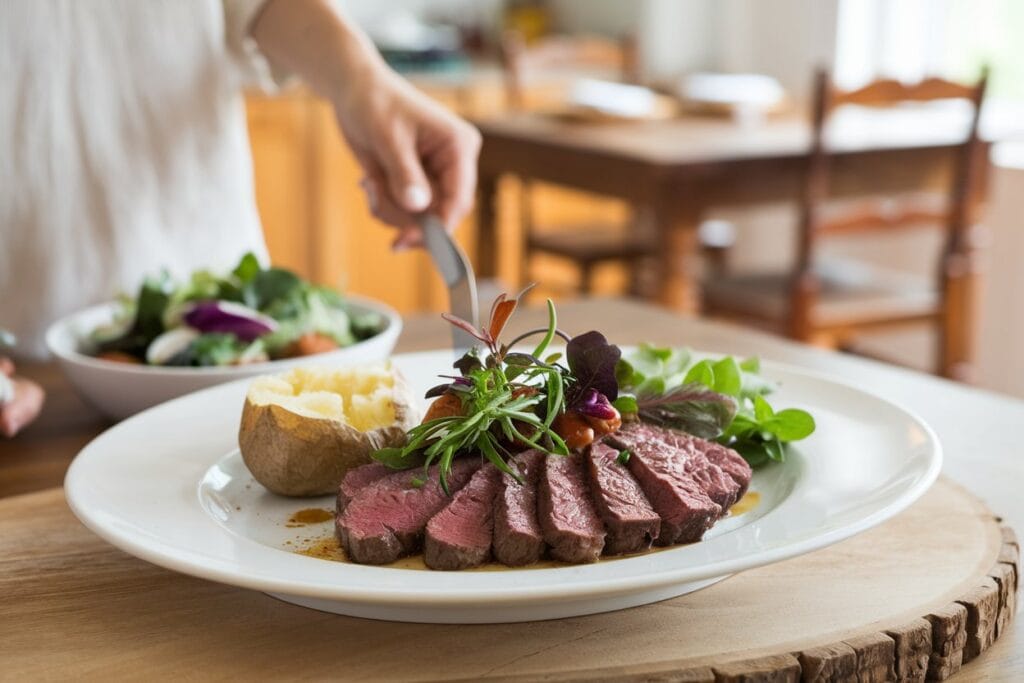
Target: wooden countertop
<point x="70" y="592"/>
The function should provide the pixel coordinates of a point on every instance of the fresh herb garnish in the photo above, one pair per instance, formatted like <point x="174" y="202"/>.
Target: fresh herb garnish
<point x="509" y="401"/>
<point x="720" y="399"/>
<point x="623" y="456"/>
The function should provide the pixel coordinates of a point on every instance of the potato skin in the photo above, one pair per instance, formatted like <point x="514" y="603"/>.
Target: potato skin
<point x="297" y="455"/>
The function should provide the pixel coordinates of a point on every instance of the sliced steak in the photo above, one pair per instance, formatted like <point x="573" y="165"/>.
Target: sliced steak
<point x="565" y="509"/>
<point x="358" y="478"/>
<point x="459" y="536"/>
<point x="386" y="519"/>
<point x="733" y="464"/>
<point x="686" y="511"/>
<point x="518" y="539"/>
<point x="702" y="459"/>
<point x="631" y="522"/>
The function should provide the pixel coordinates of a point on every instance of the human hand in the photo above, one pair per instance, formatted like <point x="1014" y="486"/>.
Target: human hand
<point x="417" y="156"/>
<point x="23" y="405"/>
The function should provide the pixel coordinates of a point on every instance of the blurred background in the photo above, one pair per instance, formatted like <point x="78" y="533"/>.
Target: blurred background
<point x="734" y="80"/>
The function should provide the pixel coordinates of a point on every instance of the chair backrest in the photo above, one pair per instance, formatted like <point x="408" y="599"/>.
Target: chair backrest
<point x="585" y="53"/>
<point x="891" y="212"/>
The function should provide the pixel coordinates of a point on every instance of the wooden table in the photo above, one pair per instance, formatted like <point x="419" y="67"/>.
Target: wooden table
<point x="75" y="607"/>
<point x="681" y="169"/>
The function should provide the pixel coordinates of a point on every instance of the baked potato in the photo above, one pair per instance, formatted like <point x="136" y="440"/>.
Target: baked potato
<point x="303" y="430"/>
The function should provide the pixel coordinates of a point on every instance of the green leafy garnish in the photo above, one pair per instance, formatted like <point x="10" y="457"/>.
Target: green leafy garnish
<point x="623" y="456"/>
<point x="508" y="399"/>
<point x="720" y="399"/>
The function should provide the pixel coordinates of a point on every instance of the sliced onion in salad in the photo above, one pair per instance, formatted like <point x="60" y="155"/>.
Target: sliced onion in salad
<point x="230" y="318"/>
<point x="170" y="344"/>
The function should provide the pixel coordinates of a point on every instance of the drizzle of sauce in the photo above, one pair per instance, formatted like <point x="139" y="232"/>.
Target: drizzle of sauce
<point x="309" y="516"/>
<point x="749" y="501"/>
<point x="330" y="549"/>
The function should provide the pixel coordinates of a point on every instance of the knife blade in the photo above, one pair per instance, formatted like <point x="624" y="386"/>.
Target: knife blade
<point x="457" y="273"/>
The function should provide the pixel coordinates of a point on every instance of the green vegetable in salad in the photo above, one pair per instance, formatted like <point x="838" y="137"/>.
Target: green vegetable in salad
<point x="251" y="314"/>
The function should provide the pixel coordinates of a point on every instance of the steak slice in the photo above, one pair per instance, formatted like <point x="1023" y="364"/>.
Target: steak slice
<point x="570" y="524"/>
<point x="726" y="459"/>
<point x="459" y="536"/>
<point x="686" y="511"/>
<point x="720" y="486"/>
<point x="733" y="464"/>
<point x="386" y="519"/>
<point x="518" y="539"/>
<point x="358" y="478"/>
<point x="631" y="522"/>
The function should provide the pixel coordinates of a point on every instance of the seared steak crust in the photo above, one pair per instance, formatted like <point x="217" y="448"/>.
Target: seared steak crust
<point x="631" y="522"/>
<point x="686" y="511"/>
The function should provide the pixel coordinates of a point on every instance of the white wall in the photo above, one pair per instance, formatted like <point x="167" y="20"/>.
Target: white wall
<point x="786" y="39"/>
<point x="1001" y="360"/>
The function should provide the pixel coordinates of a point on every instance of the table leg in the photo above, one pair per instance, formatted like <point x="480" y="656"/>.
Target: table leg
<point x="677" y="219"/>
<point x="486" y="261"/>
<point x="956" y="338"/>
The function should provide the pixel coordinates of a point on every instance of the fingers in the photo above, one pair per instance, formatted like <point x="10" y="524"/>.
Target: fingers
<point x="455" y="169"/>
<point x="407" y="183"/>
<point x="6" y="366"/>
<point x="388" y="212"/>
<point x="22" y="409"/>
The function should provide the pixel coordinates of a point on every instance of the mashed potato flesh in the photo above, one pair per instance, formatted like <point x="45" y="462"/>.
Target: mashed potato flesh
<point x="359" y="397"/>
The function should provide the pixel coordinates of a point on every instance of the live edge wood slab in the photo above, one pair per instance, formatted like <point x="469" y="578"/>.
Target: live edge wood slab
<point x="914" y="598"/>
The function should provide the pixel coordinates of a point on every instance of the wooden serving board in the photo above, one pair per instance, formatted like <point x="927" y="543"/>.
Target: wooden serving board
<point x="919" y="596"/>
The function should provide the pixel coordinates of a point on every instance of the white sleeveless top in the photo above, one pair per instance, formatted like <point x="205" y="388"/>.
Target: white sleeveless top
<point x="124" y="149"/>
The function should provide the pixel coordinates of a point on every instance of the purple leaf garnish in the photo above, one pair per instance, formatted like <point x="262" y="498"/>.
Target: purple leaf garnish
<point x="595" y="404"/>
<point x="592" y="361"/>
<point x="692" y="408"/>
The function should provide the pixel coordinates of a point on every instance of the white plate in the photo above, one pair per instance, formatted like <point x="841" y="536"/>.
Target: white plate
<point x="169" y="487"/>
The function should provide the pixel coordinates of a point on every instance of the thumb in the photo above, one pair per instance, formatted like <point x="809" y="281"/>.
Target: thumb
<point x="407" y="182"/>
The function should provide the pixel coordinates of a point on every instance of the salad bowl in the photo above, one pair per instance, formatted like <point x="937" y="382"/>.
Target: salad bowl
<point x="119" y="390"/>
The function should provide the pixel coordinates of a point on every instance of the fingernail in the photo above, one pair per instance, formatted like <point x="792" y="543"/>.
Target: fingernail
<point x="416" y="197"/>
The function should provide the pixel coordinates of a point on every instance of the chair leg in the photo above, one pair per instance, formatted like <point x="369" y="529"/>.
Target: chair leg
<point x="524" y="267"/>
<point x="637" y="285"/>
<point x="587" y="278"/>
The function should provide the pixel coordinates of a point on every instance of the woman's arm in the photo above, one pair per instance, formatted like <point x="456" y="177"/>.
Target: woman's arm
<point x="416" y="154"/>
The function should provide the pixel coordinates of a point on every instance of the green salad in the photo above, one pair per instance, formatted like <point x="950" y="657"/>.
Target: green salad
<point x="252" y="314"/>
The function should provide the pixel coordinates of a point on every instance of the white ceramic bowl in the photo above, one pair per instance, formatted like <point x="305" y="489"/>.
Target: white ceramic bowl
<point x="122" y="389"/>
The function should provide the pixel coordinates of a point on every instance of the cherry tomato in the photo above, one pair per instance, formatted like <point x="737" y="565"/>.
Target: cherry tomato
<point x="310" y="344"/>
<point x="574" y="429"/>
<point x="446" y="405"/>
<point x="119" y="357"/>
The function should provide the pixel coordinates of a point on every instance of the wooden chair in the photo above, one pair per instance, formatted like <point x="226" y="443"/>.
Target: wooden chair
<point x="830" y="302"/>
<point x="589" y="244"/>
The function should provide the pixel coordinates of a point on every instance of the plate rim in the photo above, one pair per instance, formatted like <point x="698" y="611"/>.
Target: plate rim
<point x="171" y="556"/>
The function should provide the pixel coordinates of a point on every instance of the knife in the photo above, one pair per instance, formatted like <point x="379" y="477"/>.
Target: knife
<point x="457" y="273"/>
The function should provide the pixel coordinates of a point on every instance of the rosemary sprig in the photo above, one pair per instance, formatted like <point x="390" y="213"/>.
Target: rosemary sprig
<point x="509" y="401"/>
